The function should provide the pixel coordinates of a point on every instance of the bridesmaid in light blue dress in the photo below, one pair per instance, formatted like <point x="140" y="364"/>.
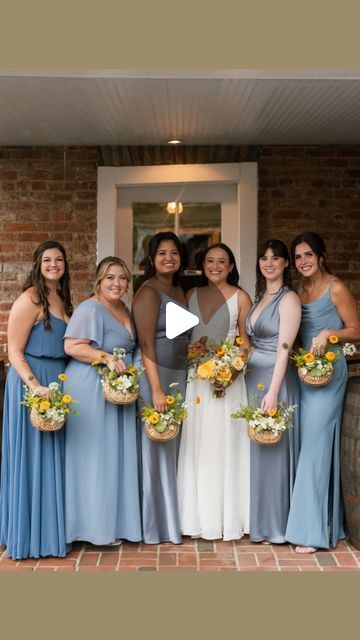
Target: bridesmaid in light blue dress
<point x="32" y="473"/>
<point x="102" y="504"/>
<point x="328" y="308"/>
<point x="165" y="362"/>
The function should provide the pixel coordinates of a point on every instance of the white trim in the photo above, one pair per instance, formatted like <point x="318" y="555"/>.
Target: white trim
<point x="239" y="222"/>
<point x="209" y="74"/>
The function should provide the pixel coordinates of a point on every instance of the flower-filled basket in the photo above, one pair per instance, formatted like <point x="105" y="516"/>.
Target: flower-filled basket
<point x="164" y="426"/>
<point x="267" y="428"/>
<point x="119" y="388"/>
<point x="316" y="370"/>
<point x="49" y="413"/>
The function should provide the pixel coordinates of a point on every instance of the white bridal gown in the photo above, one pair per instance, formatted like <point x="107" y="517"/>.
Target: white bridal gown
<point x="214" y="457"/>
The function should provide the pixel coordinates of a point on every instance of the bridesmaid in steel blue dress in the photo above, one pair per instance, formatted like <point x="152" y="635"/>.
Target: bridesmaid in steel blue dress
<point x="102" y="502"/>
<point x="328" y="308"/>
<point x="32" y="474"/>
<point x="165" y="362"/>
<point x="272" y="323"/>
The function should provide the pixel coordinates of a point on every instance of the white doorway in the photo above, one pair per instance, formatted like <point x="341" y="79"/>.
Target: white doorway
<point x="233" y="186"/>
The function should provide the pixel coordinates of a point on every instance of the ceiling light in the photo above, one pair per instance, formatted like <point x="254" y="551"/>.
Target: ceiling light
<point x="175" y="141"/>
<point x="171" y="207"/>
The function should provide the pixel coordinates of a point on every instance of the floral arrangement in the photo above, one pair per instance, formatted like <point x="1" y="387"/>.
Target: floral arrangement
<point x="278" y="418"/>
<point x="224" y="365"/>
<point x="315" y="369"/>
<point x="118" y="384"/>
<point x="201" y="351"/>
<point x="49" y="413"/>
<point x="169" y="420"/>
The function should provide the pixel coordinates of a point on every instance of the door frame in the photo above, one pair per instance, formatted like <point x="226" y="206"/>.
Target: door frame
<point x="240" y="230"/>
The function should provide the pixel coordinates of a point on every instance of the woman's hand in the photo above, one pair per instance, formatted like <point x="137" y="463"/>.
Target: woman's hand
<point x="319" y="342"/>
<point x="44" y="392"/>
<point x="269" y="401"/>
<point x="115" y="364"/>
<point x="159" y="401"/>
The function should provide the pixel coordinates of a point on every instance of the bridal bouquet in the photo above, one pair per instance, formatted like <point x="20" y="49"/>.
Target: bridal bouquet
<point x="266" y="428"/>
<point x="318" y="370"/>
<point x="224" y="366"/>
<point x="49" y="413"/>
<point x="119" y="388"/>
<point x="165" y="425"/>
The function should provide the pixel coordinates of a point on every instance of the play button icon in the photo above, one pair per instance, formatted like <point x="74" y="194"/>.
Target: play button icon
<point x="178" y="320"/>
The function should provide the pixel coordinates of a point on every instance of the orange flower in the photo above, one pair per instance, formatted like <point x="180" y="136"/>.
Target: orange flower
<point x="197" y="400"/>
<point x="170" y="400"/>
<point x="333" y="339"/>
<point x="239" y="340"/>
<point x="62" y="377"/>
<point x="220" y="352"/>
<point x="67" y="399"/>
<point x="309" y="357"/>
<point x="93" y="364"/>
<point x="272" y="413"/>
<point x="330" y="355"/>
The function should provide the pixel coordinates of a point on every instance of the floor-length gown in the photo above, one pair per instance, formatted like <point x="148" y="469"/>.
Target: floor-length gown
<point x="316" y="514"/>
<point x="160" y="510"/>
<point x="214" y="457"/>
<point x="272" y="467"/>
<point x="102" y="501"/>
<point x="32" y="473"/>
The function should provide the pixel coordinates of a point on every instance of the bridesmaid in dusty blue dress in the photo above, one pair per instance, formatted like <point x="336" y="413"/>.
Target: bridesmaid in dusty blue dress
<point x="32" y="473"/>
<point x="272" y="325"/>
<point x="102" y="503"/>
<point x="165" y="362"/>
<point x="328" y="308"/>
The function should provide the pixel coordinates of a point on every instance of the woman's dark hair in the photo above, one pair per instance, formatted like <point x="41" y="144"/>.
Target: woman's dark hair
<point x="316" y="243"/>
<point x="36" y="279"/>
<point x="279" y="248"/>
<point x="233" y="275"/>
<point x="163" y="236"/>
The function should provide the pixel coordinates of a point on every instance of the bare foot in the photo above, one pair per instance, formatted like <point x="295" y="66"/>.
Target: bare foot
<point x="265" y="542"/>
<point x="305" y="549"/>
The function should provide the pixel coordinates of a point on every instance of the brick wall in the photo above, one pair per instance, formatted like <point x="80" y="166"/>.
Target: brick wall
<point x="50" y="193"/>
<point x="45" y="193"/>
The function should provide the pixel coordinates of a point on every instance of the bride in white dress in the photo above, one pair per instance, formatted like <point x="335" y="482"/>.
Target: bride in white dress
<point x="214" y="456"/>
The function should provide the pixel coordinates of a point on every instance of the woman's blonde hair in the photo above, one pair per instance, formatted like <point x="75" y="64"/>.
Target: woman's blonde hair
<point x="104" y="265"/>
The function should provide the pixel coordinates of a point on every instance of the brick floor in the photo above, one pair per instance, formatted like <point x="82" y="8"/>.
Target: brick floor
<point x="192" y="555"/>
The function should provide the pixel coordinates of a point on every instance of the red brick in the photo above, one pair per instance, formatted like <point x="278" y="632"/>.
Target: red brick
<point x="187" y="559"/>
<point x="89" y="559"/>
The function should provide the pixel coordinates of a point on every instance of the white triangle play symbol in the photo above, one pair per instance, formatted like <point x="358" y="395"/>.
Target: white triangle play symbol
<point x="178" y="320"/>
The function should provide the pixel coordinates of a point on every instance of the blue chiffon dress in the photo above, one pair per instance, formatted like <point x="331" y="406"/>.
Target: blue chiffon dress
<point x="32" y="475"/>
<point x="316" y="514"/>
<point x="102" y="501"/>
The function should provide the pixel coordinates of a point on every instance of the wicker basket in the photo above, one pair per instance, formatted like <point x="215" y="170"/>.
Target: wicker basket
<point x="315" y="381"/>
<point x="264" y="437"/>
<point x="119" y="397"/>
<point x="44" y="425"/>
<point x="169" y="434"/>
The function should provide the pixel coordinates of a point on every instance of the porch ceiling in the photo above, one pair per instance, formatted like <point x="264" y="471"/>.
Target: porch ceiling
<point x="128" y="107"/>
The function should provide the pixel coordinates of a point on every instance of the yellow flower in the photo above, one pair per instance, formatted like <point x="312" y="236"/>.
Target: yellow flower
<point x="309" y="357"/>
<point x="62" y="377"/>
<point x="330" y="355"/>
<point x="224" y="374"/>
<point x="131" y="370"/>
<point x="220" y="352"/>
<point x="44" y="405"/>
<point x="237" y="363"/>
<point x="272" y="413"/>
<point x="333" y="339"/>
<point x="239" y="340"/>
<point x="67" y="399"/>
<point x="93" y="364"/>
<point x="170" y="400"/>
<point x="206" y="370"/>
<point x="197" y="400"/>
<point x="260" y="386"/>
<point x="192" y="353"/>
<point x="154" y="418"/>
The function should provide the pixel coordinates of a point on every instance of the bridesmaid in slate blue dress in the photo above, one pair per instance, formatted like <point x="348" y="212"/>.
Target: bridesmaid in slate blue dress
<point x="165" y="362"/>
<point x="273" y="324"/>
<point x="328" y="308"/>
<point x="32" y="474"/>
<point x="102" y="502"/>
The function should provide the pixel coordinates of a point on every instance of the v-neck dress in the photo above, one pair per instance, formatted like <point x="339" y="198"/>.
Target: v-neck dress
<point x="101" y="470"/>
<point x="214" y="458"/>
<point x="273" y="467"/>
<point x="32" y="473"/>
<point x="316" y="514"/>
<point x="160" y="510"/>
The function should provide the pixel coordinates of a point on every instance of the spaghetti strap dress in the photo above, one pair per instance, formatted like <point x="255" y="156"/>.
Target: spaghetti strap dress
<point x="32" y="521"/>
<point x="272" y="467"/>
<point x="160" y="510"/>
<point x="214" y="458"/>
<point x="316" y="514"/>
